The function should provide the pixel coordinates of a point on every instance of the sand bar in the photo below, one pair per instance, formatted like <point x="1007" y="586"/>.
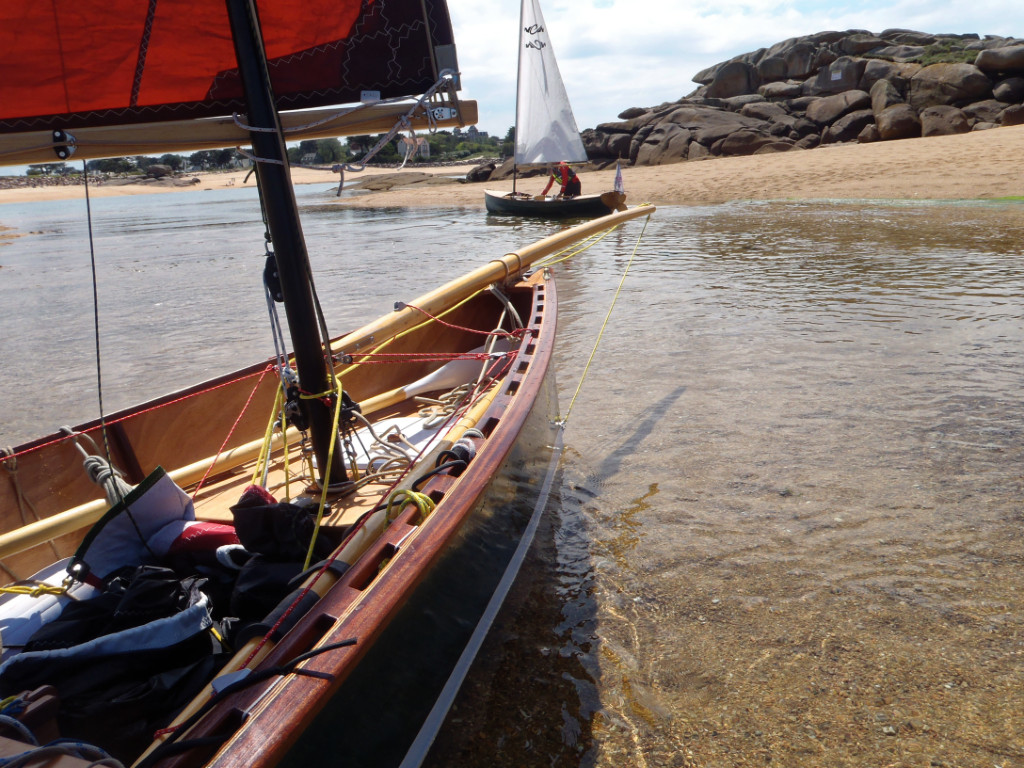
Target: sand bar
<point x="977" y="165"/>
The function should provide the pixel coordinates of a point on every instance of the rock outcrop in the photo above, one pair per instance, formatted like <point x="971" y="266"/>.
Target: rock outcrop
<point x="826" y="88"/>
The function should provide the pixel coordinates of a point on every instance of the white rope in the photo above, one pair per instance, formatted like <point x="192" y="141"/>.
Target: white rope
<point x="253" y="158"/>
<point x="99" y="470"/>
<point x="417" y="751"/>
<point x="447" y="77"/>
<point x="404" y="122"/>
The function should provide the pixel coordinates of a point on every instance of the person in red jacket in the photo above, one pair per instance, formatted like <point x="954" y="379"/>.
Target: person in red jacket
<point x="567" y="178"/>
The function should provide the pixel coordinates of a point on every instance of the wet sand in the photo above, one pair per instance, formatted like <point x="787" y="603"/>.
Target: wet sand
<point x="970" y="166"/>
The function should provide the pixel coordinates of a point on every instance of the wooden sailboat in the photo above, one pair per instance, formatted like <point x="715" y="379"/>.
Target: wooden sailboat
<point x="546" y="132"/>
<point x="314" y="478"/>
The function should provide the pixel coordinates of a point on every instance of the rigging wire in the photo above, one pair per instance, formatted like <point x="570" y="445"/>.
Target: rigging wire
<point x="116" y="491"/>
<point x="95" y="300"/>
<point x="403" y="122"/>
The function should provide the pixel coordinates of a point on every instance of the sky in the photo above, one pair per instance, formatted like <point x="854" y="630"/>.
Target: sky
<point x="616" y="54"/>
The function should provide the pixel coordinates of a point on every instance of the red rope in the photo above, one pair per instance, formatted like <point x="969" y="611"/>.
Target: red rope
<point x="517" y="333"/>
<point x="359" y="525"/>
<point x="492" y="371"/>
<point x="414" y="357"/>
<point x="231" y="431"/>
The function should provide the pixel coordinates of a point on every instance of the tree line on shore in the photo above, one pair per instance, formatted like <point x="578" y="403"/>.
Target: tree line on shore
<point x="444" y="146"/>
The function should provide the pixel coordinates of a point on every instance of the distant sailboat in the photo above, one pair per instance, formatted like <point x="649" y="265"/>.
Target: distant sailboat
<point x="546" y="131"/>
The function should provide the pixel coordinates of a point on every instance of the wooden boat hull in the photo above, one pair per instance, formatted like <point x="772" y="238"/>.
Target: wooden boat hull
<point x="277" y="713"/>
<point x="374" y="590"/>
<point x="378" y="709"/>
<point x="582" y="207"/>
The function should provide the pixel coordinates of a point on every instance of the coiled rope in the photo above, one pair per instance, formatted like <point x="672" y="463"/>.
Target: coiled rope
<point x="99" y="469"/>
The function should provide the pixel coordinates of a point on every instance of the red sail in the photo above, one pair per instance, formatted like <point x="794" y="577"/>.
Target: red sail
<point x="112" y="62"/>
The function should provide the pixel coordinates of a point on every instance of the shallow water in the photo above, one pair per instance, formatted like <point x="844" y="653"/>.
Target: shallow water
<point x="788" y="522"/>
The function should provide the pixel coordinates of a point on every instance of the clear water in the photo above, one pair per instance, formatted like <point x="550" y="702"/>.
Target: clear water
<point x="788" y="524"/>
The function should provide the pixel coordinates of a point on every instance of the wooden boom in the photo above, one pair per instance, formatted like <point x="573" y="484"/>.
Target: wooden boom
<point x="219" y="132"/>
<point x="495" y="271"/>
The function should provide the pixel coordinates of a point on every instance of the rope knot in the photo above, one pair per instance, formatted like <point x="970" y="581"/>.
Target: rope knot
<point x="398" y="499"/>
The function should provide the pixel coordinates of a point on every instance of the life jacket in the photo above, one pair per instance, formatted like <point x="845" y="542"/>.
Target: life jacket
<point x="563" y="174"/>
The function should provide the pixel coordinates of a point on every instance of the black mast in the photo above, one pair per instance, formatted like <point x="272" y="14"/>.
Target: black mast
<point x="282" y="215"/>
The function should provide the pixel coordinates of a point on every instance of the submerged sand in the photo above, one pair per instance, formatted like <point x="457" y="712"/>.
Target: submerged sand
<point x="976" y="165"/>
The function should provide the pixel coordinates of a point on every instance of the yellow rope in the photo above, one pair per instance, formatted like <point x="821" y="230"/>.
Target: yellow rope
<point x="327" y="477"/>
<point x="403" y="496"/>
<point x="268" y="437"/>
<point x="566" y="254"/>
<point x="36" y="589"/>
<point x="423" y="502"/>
<point x="398" y="500"/>
<point x="604" y="325"/>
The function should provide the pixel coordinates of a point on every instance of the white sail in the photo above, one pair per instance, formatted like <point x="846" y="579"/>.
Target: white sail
<point x="546" y="130"/>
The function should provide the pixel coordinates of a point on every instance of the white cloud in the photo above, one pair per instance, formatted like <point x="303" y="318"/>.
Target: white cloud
<point x="615" y="54"/>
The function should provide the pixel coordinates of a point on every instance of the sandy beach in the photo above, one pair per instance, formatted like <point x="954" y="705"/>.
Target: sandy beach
<point x="976" y="165"/>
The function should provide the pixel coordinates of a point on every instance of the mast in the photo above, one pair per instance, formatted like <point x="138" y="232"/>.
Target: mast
<point x="285" y="230"/>
<point x="519" y="75"/>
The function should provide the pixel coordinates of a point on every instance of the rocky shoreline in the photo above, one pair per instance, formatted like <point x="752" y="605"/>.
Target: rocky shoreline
<point x="822" y="89"/>
<point x="828" y="88"/>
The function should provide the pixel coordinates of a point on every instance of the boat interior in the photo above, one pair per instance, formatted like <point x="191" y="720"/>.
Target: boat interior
<point x="430" y="391"/>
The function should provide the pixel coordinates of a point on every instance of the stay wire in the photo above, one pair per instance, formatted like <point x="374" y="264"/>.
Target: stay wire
<point x="96" y="335"/>
<point x="95" y="306"/>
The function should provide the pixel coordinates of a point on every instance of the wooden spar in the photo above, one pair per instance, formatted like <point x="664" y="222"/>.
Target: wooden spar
<point x="220" y="132"/>
<point x="495" y="271"/>
<point x="282" y="215"/>
<point x="40" y="531"/>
